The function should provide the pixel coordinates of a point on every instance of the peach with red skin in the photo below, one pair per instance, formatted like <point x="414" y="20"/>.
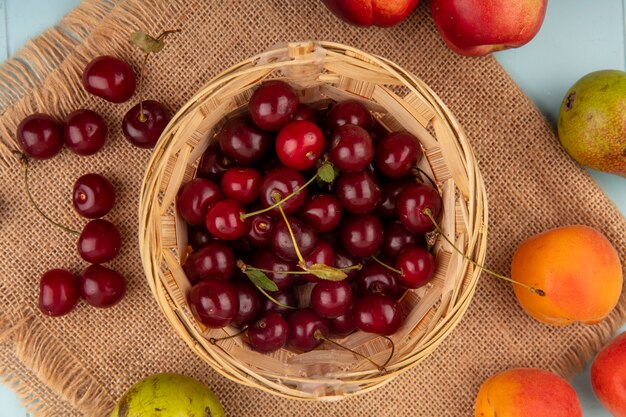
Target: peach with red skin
<point x="372" y="12"/>
<point x="479" y="27"/>
<point x="523" y="392"/>
<point x="608" y="376"/>
<point x="577" y="268"/>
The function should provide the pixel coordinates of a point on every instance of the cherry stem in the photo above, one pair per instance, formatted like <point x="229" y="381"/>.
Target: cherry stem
<point x="397" y="271"/>
<point x="267" y="271"/>
<point x="279" y="200"/>
<point x="273" y="300"/>
<point x="537" y="291"/>
<point x="214" y="340"/>
<point x="319" y="336"/>
<point x="427" y="176"/>
<point x="293" y="237"/>
<point x="32" y="200"/>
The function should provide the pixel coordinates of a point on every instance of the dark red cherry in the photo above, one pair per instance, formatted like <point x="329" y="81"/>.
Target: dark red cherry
<point x="417" y="265"/>
<point x="99" y="241"/>
<point x="305" y="112"/>
<point x="195" y="197"/>
<point x="58" y="292"/>
<point x="223" y="220"/>
<point x="377" y="313"/>
<point x="358" y="193"/>
<point x="412" y="202"/>
<point x="322" y="254"/>
<point x="40" y="136"/>
<point x="197" y="237"/>
<point x="397" y="153"/>
<point x="343" y="325"/>
<point x="273" y="105"/>
<point x="321" y="211"/>
<point x="85" y="132"/>
<point x="213" y="163"/>
<point x="397" y="237"/>
<point x="215" y="260"/>
<point x="351" y="148"/>
<point x="362" y="236"/>
<point x="93" y="196"/>
<point x="145" y="131"/>
<point x="331" y="298"/>
<point x="282" y="243"/>
<point x="214" y="303"/>
<point x="299" y="144"/>
<point x="282" y="182"/>
<point x="259" y="234"/>
<point x="376" y="279"/>
<point x="349" y="112"/>
<point x="101" y="287"/>
<point x="303" y="326"/>
<point x="343" y="259"/>
<point x="241" y="184"/>
<point x="391" y="190"/>
<point x="269" y="333"/>
<point x="109" y="78"/>
<point x="287" y="297"/>
<point x="267" y="259"/>
<point x="243" y="142"/>
<point x="249" y="303"/>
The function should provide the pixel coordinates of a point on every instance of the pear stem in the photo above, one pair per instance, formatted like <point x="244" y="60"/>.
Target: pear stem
<point x="397" y="271"/>
<point x="319" y="336"/>
<point x="32" y="200"/>
<point x="537" y="291"/>
<point x="280" y="201"/>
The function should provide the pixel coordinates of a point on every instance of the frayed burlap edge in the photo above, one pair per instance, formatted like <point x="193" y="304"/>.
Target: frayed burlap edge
<point x="56" y="59"/>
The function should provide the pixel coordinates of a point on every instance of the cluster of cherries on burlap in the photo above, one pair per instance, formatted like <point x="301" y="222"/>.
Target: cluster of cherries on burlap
<point x="306" y="224"/>
<point x="85" y="132"/>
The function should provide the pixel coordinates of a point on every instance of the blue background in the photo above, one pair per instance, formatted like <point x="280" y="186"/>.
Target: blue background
<point x="577" y="37"/>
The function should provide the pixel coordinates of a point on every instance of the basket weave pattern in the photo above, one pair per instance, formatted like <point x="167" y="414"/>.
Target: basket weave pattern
<point x="319" y="72"/>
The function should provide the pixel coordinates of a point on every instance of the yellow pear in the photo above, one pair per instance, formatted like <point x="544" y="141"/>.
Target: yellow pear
<point x="592" y="121"/>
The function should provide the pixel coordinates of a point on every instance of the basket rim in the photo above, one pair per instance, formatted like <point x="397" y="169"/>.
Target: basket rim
<point x="149" y="190"/>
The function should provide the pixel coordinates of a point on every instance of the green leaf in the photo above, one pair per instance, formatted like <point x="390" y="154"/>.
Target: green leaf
<point x="327" y="173"/>
<point x="261" y="280"/>
<point x="146" y="42"/>
<point x="326" y="272"/>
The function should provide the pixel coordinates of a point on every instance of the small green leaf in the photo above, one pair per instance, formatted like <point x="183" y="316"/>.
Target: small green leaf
<point x="146" y="42"/>
<point x="326" y="272"/>
<point x="327" y="173"/>
<point x="261" y="280"/>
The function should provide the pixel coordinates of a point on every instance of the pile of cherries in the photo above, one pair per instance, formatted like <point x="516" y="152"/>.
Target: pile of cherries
<point x="85" y="132"/>
<point x="289" y="196"/>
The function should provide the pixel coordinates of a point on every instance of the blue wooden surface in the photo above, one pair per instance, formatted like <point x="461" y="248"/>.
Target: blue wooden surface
<point x="577" y="37"/>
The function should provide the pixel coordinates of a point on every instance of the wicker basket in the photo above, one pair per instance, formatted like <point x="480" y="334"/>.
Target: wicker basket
<point x="320" y="71"/>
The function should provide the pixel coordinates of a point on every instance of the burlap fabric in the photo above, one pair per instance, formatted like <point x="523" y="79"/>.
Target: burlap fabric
<point x="80" y="364"/>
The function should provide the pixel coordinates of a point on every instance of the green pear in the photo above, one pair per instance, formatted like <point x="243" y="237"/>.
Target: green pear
<point x="168" y="395"/>
<point x="592" y="121"/>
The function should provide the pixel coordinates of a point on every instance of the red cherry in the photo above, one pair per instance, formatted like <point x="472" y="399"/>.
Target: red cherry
<point x="411" y="204"/>
<point x="362" y="236"/>
<point x="215" y="260"/>
<point x="321" y="211"/>
<point x="249" y="303"/>
<point x="85" y="132"/>
<point x="397" y="237"/>
<point x="299" y="145"/>
<point x="322" y="254"/>
<point x="282" y="242"/>
<point x="214" y="163"/>
<point x="331" y="298"/>
<point x="99" y="241"/>
<point x="58" y="292"/>
<point x="351" y="148"/>
<point x="110" y="78"/>
<point x="397" y="153"/>
<point x="283" y="182"/>
<point x="40" y="136"/>
<point x="269" y="333"/>
<point x="214" y="303"/>
<point x="348" y="112"/>
<point x="377" y="279"/>
<point x="223" y="220"/>
<point x="287" y="297"/>
<point x="101" y="287"/>
<point x="273" y="105"/>
<point x="267" y="259"/>
<point x="197" y="237"/>
<point x="241" y="184"/>
<point x="377" y="313"/>
<point x="417" y="265"/>
<point x="359" y="193"/>
<point x="303" y="325"/>
<point x="343" y="325"/>
<point x="145" y="131"/>
<point x="305" y="112"/>
<point x="243" y="142"/>
<point x="93" y="196"/>
<point x="259" y="234"/>
<point x="195" y="197"/>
